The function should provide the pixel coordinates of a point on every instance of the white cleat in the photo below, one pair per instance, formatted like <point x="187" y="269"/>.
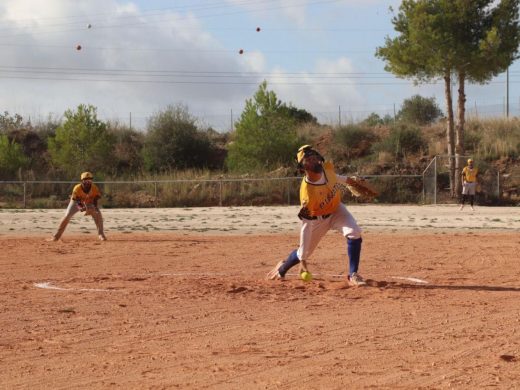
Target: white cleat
<point x="274" y="274"/>
<point x="356" y="280"/>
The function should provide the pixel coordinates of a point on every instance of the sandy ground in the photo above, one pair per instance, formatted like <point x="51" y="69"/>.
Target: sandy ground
<point x="177" y="298"/>
<point x="252" y="220"/>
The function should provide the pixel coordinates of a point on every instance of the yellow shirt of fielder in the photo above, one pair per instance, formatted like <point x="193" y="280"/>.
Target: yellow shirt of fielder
<point x="86" y="198"/>
<point x="321" y="199"/>
<point x="469" y="174"/>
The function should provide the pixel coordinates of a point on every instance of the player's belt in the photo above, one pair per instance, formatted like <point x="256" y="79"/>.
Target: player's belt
<point x="318" y="217"/>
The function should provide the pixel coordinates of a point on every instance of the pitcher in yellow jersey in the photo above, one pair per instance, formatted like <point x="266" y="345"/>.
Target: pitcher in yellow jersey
<point x="84" y="197"/>
<point x="469" y="184"/>
<point x="322" y="210"/>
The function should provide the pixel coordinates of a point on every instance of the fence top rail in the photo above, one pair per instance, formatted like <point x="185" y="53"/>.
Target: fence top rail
<point x="453" y="155"/>
<point x="376" y="176"/>
<point x="180" y="180"/>
<point x="144" y="181"/>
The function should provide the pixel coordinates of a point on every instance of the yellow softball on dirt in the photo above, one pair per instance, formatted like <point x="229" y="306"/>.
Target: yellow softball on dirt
<point x="306" y="276"/>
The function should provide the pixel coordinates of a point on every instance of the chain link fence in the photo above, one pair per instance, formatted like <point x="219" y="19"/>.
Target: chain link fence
<point x="431" y="187"/>
<point x="197" y="193"/>
<point x="159" y="193"/>
<point x="494" y="188"/>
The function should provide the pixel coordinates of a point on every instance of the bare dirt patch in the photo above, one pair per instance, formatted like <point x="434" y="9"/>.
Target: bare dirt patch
<point x="190" y="310"/>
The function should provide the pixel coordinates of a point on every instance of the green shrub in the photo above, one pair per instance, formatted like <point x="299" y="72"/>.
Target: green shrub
<point x="10" y="122"/>
<point x="419" y="110"/>
<point x="374" y="120"/>
<point x="12" y="158"/>
<point x="351" y="142"/>
<point x="401" y="141"/>
<point x="173" y="141"/>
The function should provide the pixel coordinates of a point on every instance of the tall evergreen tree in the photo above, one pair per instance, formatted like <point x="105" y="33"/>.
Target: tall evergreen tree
<point x="265" y="134"/>
<point x="471" y="39"/>
<point x="81" y="143"/>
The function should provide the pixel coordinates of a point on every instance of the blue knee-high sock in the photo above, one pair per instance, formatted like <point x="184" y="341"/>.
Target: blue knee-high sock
<point x="291" y="261"/>
<point x="354" y="253"/>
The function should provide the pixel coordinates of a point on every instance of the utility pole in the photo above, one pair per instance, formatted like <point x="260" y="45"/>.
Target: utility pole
<point x="231" y="119"/>
<point x="339" y="116"/>
<point x="507" y="93"/>
<point x="130" y="120"/>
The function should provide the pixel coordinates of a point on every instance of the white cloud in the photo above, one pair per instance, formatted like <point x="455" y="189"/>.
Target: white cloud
<point x="37" y="35"/>
<point x="123" y="54"/>
<point x="22" y="12"/>
<point x="254" y="61"/>
<point x="297" y="14"/>
<point x="322" y="91"/>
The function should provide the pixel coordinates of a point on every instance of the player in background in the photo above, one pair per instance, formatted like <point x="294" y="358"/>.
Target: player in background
<point x="469" y="184"/>
<point x="84" y="197"/>
<point x="322" y="210"/>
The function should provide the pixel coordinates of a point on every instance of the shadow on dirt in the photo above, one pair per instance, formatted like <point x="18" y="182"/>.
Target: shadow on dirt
<point x="384" y="284"/>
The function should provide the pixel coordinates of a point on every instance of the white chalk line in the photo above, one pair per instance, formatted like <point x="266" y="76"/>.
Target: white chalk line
<point x="194" y="274"/>
<point x="49" y="286"/>
<point x="416" y="280"/>
<point x="316" y="274"/>
<point x="410" y="279"/>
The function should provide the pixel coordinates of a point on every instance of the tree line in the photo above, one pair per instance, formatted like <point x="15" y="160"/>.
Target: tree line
<point x="265" y="138"/>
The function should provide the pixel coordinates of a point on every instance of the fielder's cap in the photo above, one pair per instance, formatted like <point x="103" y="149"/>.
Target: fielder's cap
<point x="86" y="175"/>
<point x="304" y="151"/>
<point x="470" y="160"/>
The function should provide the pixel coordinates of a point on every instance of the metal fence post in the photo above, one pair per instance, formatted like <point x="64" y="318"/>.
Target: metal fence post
<point x="220" y="193"/>
<point x="288" y="192"/>
<point x="435" y="180"/>
<point x="24" y="195"/>
<point x="498" y="184"/>
<point x="423" y="188"/>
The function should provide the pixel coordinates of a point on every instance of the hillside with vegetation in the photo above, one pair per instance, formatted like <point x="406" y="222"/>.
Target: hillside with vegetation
<point x="389" y="150"/>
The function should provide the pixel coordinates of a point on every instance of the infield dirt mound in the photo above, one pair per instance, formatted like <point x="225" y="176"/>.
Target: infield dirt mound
<point x="167" y="310"/>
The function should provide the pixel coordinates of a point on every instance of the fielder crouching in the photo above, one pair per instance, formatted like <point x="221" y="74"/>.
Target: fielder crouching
<point x="322" y="210"/>
<point x="84" y="198"/>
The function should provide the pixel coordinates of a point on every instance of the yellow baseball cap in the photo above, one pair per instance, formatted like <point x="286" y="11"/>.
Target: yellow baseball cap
<point x="470" y="160"/>
<point x="301" y="152"/>
<point x="86" y="175"/>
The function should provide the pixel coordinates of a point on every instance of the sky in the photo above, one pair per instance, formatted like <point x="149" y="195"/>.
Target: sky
<point x="133" y="59"/>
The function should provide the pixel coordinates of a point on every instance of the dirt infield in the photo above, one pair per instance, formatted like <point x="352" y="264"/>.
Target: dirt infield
<point x="255" y="220"/>
<point x="191" y="310"/>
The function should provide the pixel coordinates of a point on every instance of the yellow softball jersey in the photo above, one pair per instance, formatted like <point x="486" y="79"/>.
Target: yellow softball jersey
<point x="79" y="194"/>
<point x="470" y="175"/>
<point x="321" y="199"/>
